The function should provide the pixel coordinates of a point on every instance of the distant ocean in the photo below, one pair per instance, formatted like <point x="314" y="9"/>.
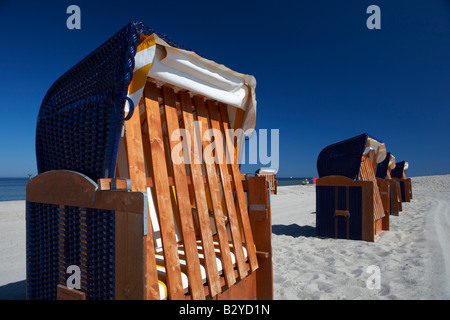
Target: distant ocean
<point x="291" y="181"/>
<point x="13" y="188"/>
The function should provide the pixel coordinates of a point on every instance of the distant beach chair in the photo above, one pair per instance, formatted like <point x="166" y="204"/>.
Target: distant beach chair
<point x="398" y="174"/>
<point x="348" y="201"/>
<point x="270" y="175"/>
<point x="389" y="188"/>
<point x="125" y="197"/>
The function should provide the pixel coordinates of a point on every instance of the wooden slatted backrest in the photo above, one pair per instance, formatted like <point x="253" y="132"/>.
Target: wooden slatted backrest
<point x="388" y="174"/>
<point x="199" y="204"/>
<point x="367" y="174"/>
<point x="272" y="179"/>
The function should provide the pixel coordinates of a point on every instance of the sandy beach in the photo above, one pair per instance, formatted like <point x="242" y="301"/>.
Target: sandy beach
<point x="413" y="258"/>
<point x="12" y="250"/>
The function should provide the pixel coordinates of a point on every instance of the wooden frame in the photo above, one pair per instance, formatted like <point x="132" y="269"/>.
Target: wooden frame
<point x="370" y="226"/>
<point x="273" y="182"/>
<point x="408" y="186"/>
<point x="374" y="208"/>
<point x="405" y="185"/>
<point x="68" y="188"/>
<point x="384" y="190"/>
<point x="405" y="189"/>
<point x="260" y="213"/>
<point x="393" y="200"/>
<point x="214" y="227"/>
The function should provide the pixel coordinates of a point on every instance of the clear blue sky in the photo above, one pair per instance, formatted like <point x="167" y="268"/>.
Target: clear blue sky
<point x="322" y="75"/>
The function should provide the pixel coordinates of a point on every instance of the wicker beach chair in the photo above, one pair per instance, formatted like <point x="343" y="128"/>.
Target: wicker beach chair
<point x="398" y="174"/>
<point x="389" y="188"/>
<point x="112" y="196"/>
<point x="271" y="176"/>
<point x="348" y="201"/>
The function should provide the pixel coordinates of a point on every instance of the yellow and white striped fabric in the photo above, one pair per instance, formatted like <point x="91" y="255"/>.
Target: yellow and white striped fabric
<point x="142" y="62"/>
<point x="406" y="166"/>
<point x="391" y="164"/>
<point x="186" y="70"/>
<point x="378" y="147"/>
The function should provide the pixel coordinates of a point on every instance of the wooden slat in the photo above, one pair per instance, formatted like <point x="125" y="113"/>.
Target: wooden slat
<point x="399" y="195"/>
<point x="238" y="122"/>
<point x="165" y="213"/>
<point x="149" y="168"/>
<point x="149" y="180"/>
<point x="130" y="259"/>
<point x="368" y="221"/>
<point x="184" y="269"/>
<point x="262" y="233"/>
<point x="122" y="161"/>
<point x="183" y="202"/>
<point x="167" y="149"/>
<point x="216" y="247"/>
<point x="135" y="154"/>
<point x="242" y="204"/>
<point x="228" y="193"/>
<point x="393" y="198"/>
<point x="383" y="186"/>
<point x="106" y="184"/>
<point x="367" y="174"/>
<point x="213" y="184"/>
<point x="200" y="196"/>
<point x="136" y="170"/>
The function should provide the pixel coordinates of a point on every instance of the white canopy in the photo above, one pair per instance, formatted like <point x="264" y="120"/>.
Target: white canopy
<point x="267" y="171"/>
<point x="391" y="164"/>
<point x="186" y="70"/>
<point x="378" y="147"/>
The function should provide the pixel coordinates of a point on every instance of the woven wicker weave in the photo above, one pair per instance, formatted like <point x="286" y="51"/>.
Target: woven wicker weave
<point x="80" y="119"/>
<point x="42" y="251"/>
<point x="78" y="128"/>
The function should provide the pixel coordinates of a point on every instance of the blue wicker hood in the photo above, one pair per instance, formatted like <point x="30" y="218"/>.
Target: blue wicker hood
<point x="81" y="116"/>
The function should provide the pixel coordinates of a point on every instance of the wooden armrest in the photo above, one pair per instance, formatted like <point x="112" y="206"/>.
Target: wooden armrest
<point x="342" y="213"/>
<point x="65" y="293"/>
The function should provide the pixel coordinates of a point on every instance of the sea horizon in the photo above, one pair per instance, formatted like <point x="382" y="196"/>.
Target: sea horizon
<point x="292" y="181"/>
<point x="14" y="188"/>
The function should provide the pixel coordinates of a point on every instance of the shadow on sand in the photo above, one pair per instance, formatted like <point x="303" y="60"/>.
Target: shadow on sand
<point x="13" y="291"/>
<point x="294" y="230"/>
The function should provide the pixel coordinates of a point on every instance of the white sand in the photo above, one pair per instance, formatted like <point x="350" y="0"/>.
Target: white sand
<point x="413" y="257"/>
<point x="12" y="250"/>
